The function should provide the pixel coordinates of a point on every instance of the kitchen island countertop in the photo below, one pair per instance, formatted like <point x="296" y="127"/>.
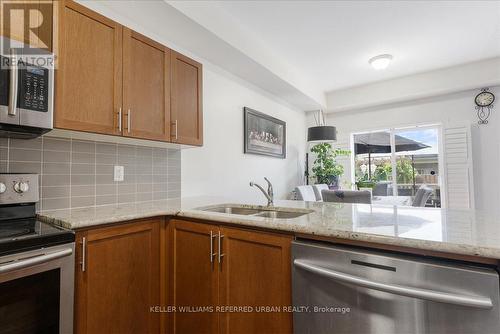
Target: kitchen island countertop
<point x="462" y="232"/>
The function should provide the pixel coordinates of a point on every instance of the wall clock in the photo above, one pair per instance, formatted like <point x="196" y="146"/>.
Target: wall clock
<point x="484" y="102"/>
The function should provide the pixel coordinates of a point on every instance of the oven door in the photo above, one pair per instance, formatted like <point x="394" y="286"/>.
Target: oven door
<point x="36" y="291"/>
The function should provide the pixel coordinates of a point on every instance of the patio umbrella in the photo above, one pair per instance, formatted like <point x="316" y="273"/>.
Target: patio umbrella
<point x="380" y="142"/>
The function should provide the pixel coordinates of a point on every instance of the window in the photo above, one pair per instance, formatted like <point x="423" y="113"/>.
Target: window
<point x="399" y="166"/>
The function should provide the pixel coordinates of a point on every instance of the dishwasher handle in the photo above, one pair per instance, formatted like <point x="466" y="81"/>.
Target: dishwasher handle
<point x="436" y="296"/>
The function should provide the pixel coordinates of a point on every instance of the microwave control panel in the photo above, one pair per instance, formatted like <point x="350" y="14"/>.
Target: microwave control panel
<point x="33" y="88"/>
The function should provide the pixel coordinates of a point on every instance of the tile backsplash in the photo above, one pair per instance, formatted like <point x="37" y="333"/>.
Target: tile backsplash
<point x="77" y="173"/>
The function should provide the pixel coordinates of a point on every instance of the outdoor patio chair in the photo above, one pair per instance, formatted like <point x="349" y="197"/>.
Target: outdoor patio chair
<point x="422" y="195"/>
<point x="382" y="188"/>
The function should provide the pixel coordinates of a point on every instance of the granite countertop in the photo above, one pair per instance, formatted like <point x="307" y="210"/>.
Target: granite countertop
<point x="465" y="232"/>
<point x="106" y="214"/>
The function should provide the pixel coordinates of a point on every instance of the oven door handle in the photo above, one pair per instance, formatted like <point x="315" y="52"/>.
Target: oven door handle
<point x="437" y="296"/>
<point x="34" y="260"/>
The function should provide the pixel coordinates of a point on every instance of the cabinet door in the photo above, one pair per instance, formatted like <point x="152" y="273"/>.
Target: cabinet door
<point x="89" y="73"/>
<point x="187" y="114"/>
<point x="118" y="278"/>
<point x="29" y="22"/>
<point x="46" y="24"/>
<point x="146" y="87"/>
<point x="193" y="276"/>
<point x="255" y="272"/>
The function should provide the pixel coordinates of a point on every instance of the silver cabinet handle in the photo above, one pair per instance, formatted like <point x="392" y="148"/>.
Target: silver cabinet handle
<point x="212" y="254"/>
<point x="31" y="261"/>
<point x="13" y="86"/>
<point x="437" y="296"/>
<point x="220" y="248"/>
<point x="84" y="251"/>
<point x="120" y="119"/>
<point x="128" y="120"/>
<point x="176" y="133"/>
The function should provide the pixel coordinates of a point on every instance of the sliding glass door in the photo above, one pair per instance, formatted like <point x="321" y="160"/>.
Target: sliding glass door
<point x="399" y="166"/>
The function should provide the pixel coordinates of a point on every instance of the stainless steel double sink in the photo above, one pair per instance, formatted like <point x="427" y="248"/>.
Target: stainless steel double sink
<point x="267" y="212"/>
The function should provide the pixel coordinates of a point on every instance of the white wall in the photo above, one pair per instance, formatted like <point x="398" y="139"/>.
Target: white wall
<point x="219" y="167"/>
<point x="447" y="110"/>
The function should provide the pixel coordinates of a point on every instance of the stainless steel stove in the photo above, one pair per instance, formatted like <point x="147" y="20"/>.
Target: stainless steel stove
<point x="36" y="263"/>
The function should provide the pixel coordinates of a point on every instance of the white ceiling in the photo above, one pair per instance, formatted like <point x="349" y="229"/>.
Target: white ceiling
<point x="328" y="43"/>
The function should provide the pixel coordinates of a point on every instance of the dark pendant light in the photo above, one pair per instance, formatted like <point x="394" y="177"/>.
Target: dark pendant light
<point x="321" y="132"/>
<point x="317" y="134"/>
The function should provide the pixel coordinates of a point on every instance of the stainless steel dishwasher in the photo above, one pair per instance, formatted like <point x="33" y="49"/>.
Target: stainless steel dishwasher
<point x="355" y="291"/>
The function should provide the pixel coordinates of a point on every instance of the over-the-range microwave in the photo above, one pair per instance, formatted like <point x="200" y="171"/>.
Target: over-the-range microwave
<point x="26" y="92"/>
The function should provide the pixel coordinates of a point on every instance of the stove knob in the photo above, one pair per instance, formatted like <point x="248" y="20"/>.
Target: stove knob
<point x="21" y="187"/>
<point x="2" y="187"/>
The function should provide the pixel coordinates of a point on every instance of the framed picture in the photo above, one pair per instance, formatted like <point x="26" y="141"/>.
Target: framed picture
<point x="264" y="135"/>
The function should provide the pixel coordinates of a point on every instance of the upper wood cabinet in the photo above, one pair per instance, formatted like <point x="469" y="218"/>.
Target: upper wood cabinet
<point x="229" y="267"/>
<point x="146" y="87"/>
<point x="187" y="105"/>
<point x="118" y="278"/>
<point x="46" y="24"/>
<point x="29" y="22"/>
<point x="89" y="70"/>
<point x="112" y="80"/>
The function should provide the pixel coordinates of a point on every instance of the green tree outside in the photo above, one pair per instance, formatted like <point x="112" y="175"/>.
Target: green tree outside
<point x="404" y="171"/>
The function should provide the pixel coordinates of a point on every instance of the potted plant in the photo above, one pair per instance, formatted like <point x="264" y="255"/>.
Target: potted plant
<point x="405" y="173"/>
<point x="325" y="167"/>
<point x="364" y="183"/>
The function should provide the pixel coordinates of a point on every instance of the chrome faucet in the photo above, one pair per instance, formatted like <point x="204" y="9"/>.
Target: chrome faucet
<point x="269" y="194"/>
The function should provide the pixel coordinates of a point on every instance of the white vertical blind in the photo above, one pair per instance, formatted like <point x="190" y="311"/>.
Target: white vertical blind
<point x="458" y="167"/>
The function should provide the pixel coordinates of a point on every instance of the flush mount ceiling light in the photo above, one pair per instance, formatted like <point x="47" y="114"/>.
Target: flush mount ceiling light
<point x="380" y="62"/>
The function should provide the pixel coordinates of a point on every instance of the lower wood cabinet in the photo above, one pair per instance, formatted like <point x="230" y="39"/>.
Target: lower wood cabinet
<point x="255" y="271"/>
<point x="215" y="268"/>
<point x="193" y="276"/>
<point x="118" y="278"/>
<point x="205" y="271"/>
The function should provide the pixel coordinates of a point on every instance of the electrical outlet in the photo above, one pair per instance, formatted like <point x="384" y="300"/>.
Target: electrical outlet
<point x="119" y="173"/>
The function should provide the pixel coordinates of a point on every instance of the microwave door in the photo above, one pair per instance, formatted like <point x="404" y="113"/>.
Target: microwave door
<point x="36" y="90"/>
<point x="8" y="87"/>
